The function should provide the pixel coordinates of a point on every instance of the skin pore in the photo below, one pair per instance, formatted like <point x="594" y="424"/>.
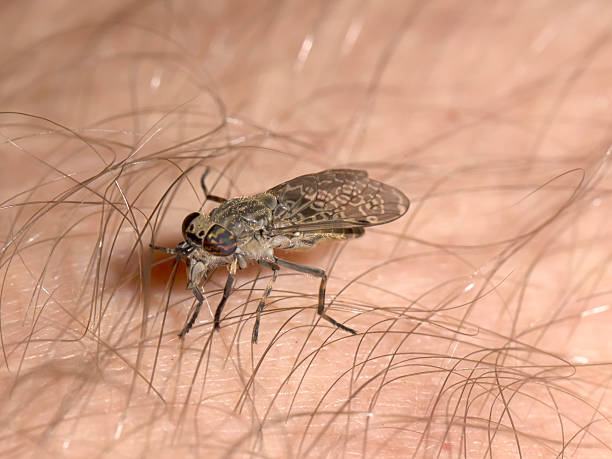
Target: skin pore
<point x="483" y="315"/>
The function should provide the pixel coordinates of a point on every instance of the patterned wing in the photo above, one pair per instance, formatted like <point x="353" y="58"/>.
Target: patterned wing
<point x="334" y="199"/>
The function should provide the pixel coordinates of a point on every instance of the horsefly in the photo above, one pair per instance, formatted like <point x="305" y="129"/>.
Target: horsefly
<point x="333" y="204"/>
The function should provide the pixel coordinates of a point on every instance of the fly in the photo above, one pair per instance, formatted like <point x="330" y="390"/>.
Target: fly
<point x="332" y="204"/>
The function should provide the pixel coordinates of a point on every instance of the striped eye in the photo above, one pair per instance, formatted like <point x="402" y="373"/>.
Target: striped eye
<point x="219" y="241"/>
<point x="189" y="230"/>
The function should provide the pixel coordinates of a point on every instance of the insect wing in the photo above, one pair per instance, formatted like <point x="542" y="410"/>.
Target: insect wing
<point x="335" y="199"/>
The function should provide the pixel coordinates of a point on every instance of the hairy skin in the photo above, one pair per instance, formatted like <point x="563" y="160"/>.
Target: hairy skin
<point x="483" y="314"/>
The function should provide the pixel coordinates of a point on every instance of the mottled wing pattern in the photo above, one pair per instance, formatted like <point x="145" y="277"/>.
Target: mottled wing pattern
<point x="335" y="199"/>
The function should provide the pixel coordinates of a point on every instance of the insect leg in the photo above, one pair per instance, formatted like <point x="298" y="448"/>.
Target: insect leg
<point x="319" y="273"/>
<point x="210" y="197"/>
<point x="262" y="303"/>
<point x="227" y="290"/>
<point x="198" y="294"/>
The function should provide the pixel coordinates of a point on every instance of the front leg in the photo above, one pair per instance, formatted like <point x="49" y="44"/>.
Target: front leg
<point x="226" y="292"/>
<point x="200" y="299"/>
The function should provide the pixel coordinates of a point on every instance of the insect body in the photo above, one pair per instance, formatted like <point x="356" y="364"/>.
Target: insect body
<point x="332" y="204"/>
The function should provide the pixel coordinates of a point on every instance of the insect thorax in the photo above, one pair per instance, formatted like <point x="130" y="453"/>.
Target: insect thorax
<point x="245" y="216"/>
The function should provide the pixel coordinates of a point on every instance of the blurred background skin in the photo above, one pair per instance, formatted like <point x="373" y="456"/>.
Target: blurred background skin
<point x="484" y="312"/>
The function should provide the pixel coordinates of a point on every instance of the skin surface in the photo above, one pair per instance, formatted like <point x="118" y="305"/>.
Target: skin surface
<point x="483" y="315"/>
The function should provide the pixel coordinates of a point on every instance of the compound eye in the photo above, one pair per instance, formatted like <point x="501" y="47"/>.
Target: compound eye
<point x="189" y="229"/>
<point x="219" y="241"/>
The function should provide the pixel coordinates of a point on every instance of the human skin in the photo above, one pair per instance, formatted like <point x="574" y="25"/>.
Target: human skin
<point x="482" y="315"/>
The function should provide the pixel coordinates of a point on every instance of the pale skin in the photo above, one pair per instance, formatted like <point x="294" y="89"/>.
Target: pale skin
<point x="482" y="315"/>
